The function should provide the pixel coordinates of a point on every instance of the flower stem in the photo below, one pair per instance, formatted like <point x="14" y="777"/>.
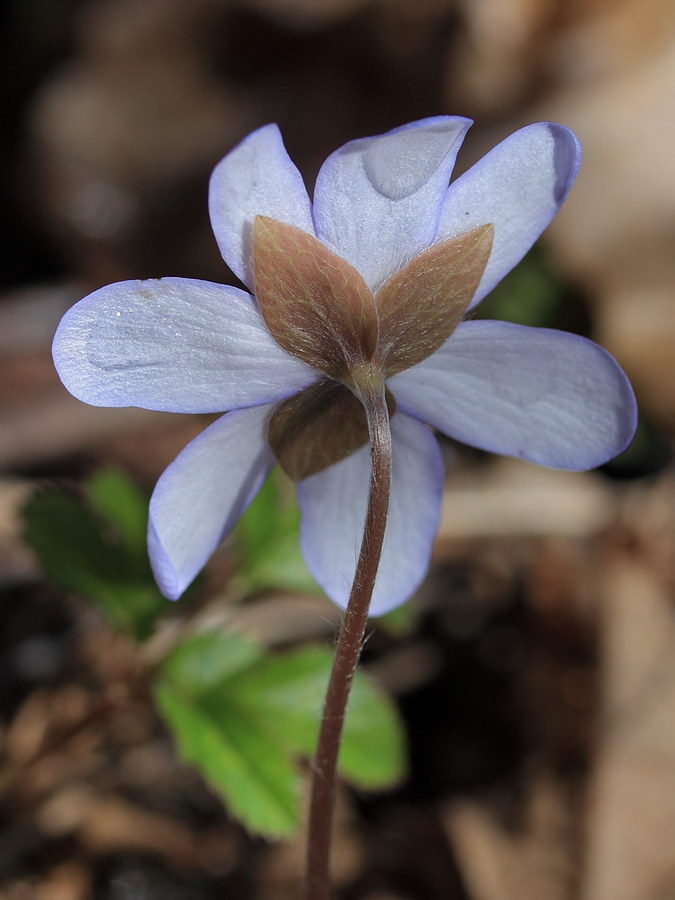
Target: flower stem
<point x="348" y="649"/>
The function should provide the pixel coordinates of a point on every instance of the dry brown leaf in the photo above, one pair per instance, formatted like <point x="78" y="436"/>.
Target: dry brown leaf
<point x="632" y="814"/>
<point x="531" y="864"/>
<point x="17" y="563"/>
<point x="68" y="881"/>
<point x="516" y="498"/>
<point x="106" y="824"/>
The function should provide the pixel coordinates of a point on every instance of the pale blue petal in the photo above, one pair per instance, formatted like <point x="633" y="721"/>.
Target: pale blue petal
<point x="200" y="496"/>
<point x="333" y="505"/>
<point x="547" y="396"/>
<point x="257" y="178"/>
<point x="173" y="344"/>
<point x="377" y="199"/>
<point x="518" y="188"/>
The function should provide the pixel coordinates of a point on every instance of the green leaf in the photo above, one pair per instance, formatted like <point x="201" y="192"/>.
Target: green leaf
<point x="291" y="689"/>
<point x="233" y="746"/>
<point x="83" y="551"/>
<point x="267" y="538"/>
<point x="531" y="294"/>
<point x="373" y="752"/>
<point x="116" y="499"/>
<point x="69" y="541"/>
<point x="281" y="568"/>
<point x="239" y="758"/>
<point x="205" y="661"/>
<point x="265" y="519"/>
<point x="242" y="718"/>
<point x="401" y="621"/>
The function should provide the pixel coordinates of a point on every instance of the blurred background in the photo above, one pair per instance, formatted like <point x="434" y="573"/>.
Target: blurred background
<point x="535" y="670"/>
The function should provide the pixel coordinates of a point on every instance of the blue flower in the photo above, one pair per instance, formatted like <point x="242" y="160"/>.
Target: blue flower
<point x="380" y="204"/>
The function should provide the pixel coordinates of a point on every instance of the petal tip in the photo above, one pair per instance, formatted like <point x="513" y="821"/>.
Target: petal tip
<point x="166" y="576"/>
<point x="400" y="161"/>
<point x="70" y="363"/>
<point x="566" y="159"/>
<point x="256" y="176"/>
<point x="271" y="129"/>
<point x="626" y="413"/>
<point x="631" y="413"/>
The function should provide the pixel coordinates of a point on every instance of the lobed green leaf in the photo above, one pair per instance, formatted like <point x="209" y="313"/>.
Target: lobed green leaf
<point x="243" y="718"/>
<point x="239" y="757"/>
<point x="81" y="548"/>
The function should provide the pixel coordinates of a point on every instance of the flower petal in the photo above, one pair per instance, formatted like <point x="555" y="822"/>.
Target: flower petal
<point x="173" y="344"/>
<point x="547" y="396"/>
<point x="200" y="496"/>
<point x="257" y="178"/>
<point x="518" y="187"/>
<point x="333" y="505"/>
<point x="377" y="199"/>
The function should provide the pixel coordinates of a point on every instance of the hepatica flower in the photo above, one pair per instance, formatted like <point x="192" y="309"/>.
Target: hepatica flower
<point x="369" y="282"/>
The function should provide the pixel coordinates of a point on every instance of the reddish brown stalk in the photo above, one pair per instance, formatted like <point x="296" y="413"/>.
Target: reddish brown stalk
<point x="348" y="650"/>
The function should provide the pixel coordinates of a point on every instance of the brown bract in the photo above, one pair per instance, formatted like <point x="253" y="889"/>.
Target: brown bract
<point x="318" y="427"/>
<point x="320" y="309"/>
<point x="421" y="305"/>
<point x="315" y="304"/>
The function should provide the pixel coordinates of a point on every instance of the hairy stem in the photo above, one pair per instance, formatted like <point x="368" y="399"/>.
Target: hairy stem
<point x="348" y="649"/>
